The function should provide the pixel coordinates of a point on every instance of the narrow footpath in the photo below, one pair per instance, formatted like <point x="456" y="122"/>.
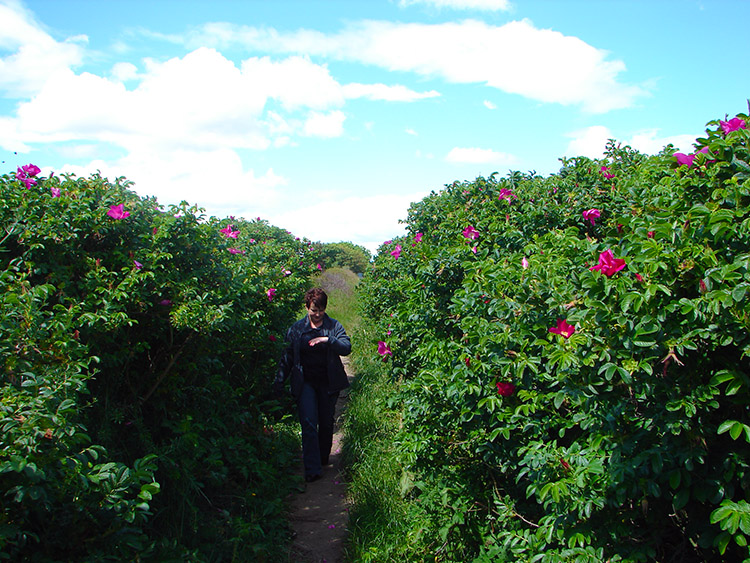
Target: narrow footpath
<point x="319" y="515"/>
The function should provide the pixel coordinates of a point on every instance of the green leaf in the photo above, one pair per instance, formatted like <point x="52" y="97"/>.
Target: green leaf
<point x="674" y="478"/>
<point x="681" y="499"/>
<point x="738" y="293"/>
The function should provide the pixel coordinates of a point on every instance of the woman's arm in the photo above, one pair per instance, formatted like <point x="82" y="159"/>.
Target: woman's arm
<point x="338" y="340"/>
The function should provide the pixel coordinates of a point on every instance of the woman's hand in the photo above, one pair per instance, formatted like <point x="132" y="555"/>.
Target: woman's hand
<point x="318" y="340"/>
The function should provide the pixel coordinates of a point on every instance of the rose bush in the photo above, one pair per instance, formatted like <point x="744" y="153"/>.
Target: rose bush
<point x="138" y="344"/>
<point x="571" y="363"/>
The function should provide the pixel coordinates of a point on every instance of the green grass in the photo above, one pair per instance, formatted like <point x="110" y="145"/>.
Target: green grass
<point x="341" y="286"/>
<point x="381" y="521"/>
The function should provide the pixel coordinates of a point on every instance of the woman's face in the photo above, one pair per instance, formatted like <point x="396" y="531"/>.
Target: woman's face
<point x="315" y="314"/>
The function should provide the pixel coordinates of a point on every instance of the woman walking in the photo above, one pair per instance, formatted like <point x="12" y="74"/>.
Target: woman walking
<point x="312" y="363"/>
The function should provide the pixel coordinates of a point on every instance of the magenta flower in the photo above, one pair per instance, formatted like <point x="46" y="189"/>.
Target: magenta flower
<point x="505" y="193"/>
<point x="320" y="267"/>
<point x="563" y="329"/>
<point x="21" y="176"/>
<point x="418" y="237"/>
<point x="228" y="232"/>
<point x="383" y="349"/>
<point x="607" y="174"/>
<point x="271" y="292"/>
<point x="687" y="159"/>
<point x="592" y="215"/>
<point x="137" y="264"/>
<point x="505" y="388"/>
<point x="732" y="125"/>
<point x="470" y="233"/>
<point x="235" y="251"/>
<point x="30" y="170"/>
<point x="165" y="302"/>
<point x="684" y="159"/>
<point x="55" y="192"/>
<point x="608" y="264"/>
<point x="118" y="212"/>
<point x="396" y="253"/>
<point x="286" y="272"/>
<point x="524" y="263"/>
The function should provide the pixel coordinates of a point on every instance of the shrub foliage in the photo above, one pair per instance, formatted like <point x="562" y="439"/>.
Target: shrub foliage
<point x="570" y="356"/>
<point x="137" y="346"/>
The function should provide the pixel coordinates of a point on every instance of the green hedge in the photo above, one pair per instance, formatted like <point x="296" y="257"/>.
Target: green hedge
<point x="138" y="346"/>
<point x="570" y="356"/>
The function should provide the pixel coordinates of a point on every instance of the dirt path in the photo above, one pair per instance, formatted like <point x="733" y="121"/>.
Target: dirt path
<point x="319" y="515"/>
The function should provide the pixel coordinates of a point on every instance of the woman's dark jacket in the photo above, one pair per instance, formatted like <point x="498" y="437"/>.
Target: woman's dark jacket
<point x="338" y="345"/>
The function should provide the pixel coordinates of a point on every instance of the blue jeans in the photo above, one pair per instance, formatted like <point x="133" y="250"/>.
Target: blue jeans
<point x="316" y="408"/>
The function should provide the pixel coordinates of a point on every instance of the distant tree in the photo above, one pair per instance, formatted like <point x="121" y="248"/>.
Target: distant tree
<point x="346" y="255"/>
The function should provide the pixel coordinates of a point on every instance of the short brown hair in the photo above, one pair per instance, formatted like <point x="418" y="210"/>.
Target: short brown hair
<point x="317" y="297"/>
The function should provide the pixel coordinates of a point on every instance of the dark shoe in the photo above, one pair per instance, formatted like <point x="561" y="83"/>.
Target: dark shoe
<point x="311" y="478"/>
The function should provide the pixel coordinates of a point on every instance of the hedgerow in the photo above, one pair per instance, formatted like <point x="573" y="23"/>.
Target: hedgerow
<point x="137" y="344"/>
<point x="570" y="358"/>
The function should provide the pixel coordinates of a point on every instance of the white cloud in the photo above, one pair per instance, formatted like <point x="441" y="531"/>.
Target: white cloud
<point x="489" y="105"/>
<point x="592" y="141"/>
<point x="516" y="58"/>
<point x="296" y="82"/>
<point x="488" y="5"/>
<point x="325" y="124"/>
<point x="478" y="156"/>
<point x="123" y="72"/>
<point x="79" y="151"/>
<point x="176" y="105"/>
<point x="396" y="93"/>
<point x="11" y="139"/>
<point x="589" y="142"/>
<point x="411" y="132"/>
<point x="35" y="55"/>
<point x="215" y="180"/>
<point x="649" y="143"/>
<point x="367" y="220"/>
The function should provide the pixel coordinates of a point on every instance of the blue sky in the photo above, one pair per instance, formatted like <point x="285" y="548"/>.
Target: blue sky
<point x="328" y="118"/>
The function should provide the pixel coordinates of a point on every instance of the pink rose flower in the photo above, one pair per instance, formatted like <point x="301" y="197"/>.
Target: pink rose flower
<point x="592" y="215"/>
<point x="118" y="212"/>
<point x="732" y="125"/>
<point x="563" y="329"/>
<point x="470" y="233"/>
<point x="608" y="264"/>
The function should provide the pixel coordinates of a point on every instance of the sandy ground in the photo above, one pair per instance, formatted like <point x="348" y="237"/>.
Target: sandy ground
<point x="320" y="514"/>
